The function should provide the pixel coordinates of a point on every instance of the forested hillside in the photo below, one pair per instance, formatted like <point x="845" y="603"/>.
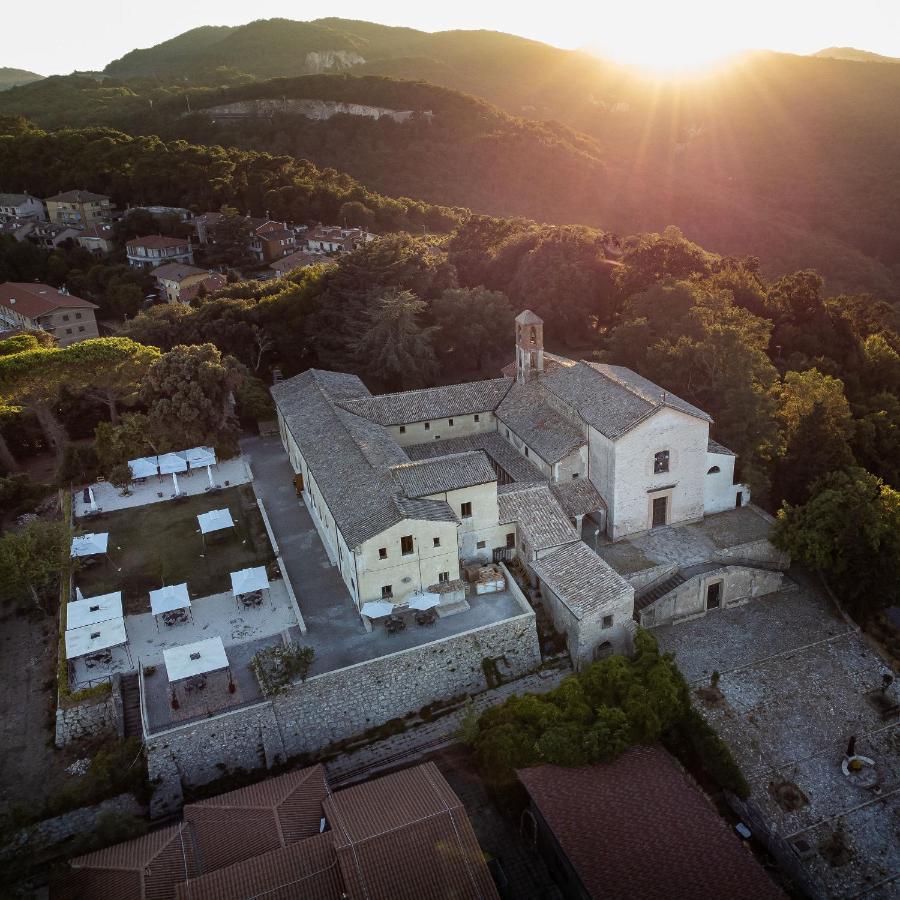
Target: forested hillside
<point x="794" y="159"/>
<point x="10" y="78"/>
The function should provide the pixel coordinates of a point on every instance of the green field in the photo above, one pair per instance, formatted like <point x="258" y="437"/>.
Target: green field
<point x="161" y="544"/>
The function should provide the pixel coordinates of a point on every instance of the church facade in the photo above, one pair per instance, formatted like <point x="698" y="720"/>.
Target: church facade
<point x="406" y="488"/>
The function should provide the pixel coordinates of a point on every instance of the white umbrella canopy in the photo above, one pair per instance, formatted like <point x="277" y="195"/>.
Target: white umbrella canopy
<point x="375" y="609"/>
<point x="145" y="467"/>
<point x="170" y="463"/>
<point x="425" y="601"/>
<point x="249" y="580"/>
<point x="197" y="457"/>
<point x="89" y="544"/>
<point x="171" y="597"/>
<point x="215" y="520"/>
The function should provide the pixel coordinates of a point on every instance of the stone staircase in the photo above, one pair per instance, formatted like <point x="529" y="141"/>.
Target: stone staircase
<point x="657" y="591"/>
<point x="131" y="706"/>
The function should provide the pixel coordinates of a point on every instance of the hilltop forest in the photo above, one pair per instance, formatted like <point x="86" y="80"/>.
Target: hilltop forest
<point x="792" y="159"/>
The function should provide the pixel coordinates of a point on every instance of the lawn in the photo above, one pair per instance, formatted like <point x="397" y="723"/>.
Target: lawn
<point x="160" y="544"/>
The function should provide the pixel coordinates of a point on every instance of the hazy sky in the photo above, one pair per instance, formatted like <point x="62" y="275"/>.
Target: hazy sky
<point x="57" y="36"/>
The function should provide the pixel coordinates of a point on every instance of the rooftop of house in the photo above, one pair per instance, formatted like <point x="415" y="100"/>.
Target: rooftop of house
<point x="444" y="473"/>
<point x="428" y="404"/>
<point x="534" y="508"/>
<point x="297" y="259"/>
<point x="33" y="299"/>
<point x="580" y="578"/>
<point x="715" y="447"/>
<point x="396" y="836"/>
<point x="77" y="197"/>
<point x="212" y="281"/>
<point x="644" y="799"/>
<point x="526" y="413"/>
<point x="157" y="242"/>
<point x="99" y="231"/>
<point x="577" y="497"/>
<point x="177" y="271"/>
<point x="14" y="199"/>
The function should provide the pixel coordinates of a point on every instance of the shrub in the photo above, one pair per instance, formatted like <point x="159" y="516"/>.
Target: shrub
<point x="276" y="667"/>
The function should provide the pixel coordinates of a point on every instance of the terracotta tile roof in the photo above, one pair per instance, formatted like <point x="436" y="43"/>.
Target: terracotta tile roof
<point x="256" y="819"/>
<point x="307" y="869"/>
<point x="577" y="497"/>
<point x="98" y="231"/>
<point x="157" y="242"/>
<point x="214" y="281"/>
<point x="297" y="260"/>
<point x="76" y="197"/>
<point x="428" y="404"/>
<point x="638" y="828"/>
<point x="32" y="299"/>
<point x="176" y="271"/>
<point x="406" y="836"/>
<point x="581" y="579"/>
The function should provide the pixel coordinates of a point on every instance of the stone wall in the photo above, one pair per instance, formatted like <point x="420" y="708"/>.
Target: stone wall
<point x="78" y="821"/>
<point x="646" y="578"/>
<point x="339" y="705"/>
<point x="761" y="551"/>
<point x="92" y="716"/>
<point x="688" y="600"/>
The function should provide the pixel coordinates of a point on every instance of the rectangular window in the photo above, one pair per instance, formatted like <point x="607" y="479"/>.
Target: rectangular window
<point x="406" y="544"/>
<point x="477" y="417"/>
<point x="661" y="462"/>
<point x="480" y="545"/>
<point x="507" y="433"/>
<point x="81" y="327"/>
<point x="526" y="451"/>
<point x="387" y="592"/>
<point x="450" y="422"/>
<point x="511" y="541"/>
<point x="443" y="577"/>
<point x="607" y="621"/>
<point x="65" y="317"/>
<point x="68" y="331"/>
<point x="465" y="510"/>
<point x="77" y="315"/>
<point x="575" y="474"/>
<point x="437" y="542"/>
<point x="428" y="426"/>
<point x="382" y="552"/>
<point x="402" y="429"/>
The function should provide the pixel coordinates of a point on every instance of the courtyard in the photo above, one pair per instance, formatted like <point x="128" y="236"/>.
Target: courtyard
<point x="160" y="544"/>
<point x="797" y="682"/>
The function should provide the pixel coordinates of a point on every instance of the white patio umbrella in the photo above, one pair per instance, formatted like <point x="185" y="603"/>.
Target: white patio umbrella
<point x="209" y="473"/>
<point x="375" y="609"/>
<point x="144" y="467"/>
<point x="89" y="544"/>
<point x="93" y="502"/>
<point x="425" y="601"/>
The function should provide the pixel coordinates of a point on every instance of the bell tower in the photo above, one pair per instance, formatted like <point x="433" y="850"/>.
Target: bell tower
<point x="529" y="346"/>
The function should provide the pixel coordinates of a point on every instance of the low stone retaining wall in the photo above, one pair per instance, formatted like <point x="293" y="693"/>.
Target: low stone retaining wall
<point x="644" y="580"/>
<point x="336" y="706"/>
<point x="762" y="551"/>
<point x="89" y="717"/>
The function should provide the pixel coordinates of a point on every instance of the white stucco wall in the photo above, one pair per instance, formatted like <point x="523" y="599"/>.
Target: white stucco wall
<point x="407" y="573"/>
<point x="523" y="449"/>
<point x="441" y="429"/>
<point x="576" y="463"/>
<point x="636" y="484"/>
<point x="719" y="489"/>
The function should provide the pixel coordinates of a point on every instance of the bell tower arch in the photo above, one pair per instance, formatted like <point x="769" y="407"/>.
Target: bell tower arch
<point x="529" y="346"/>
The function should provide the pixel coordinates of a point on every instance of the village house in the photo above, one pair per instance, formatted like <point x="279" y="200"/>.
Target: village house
<point x="98" y="238"/>
<point x="298" y="260"/>
<point x="335" y="239"/>
<point x="153" y="250"/>
<point x="49" y="236"/>
<point x="271" y="241"/>
<point x="408" y="490"/>
<point x="78" y="208"/>
<point x="179" y="283"/>
<point x="22" y="206"/>
<point x="19" y="229"/>
<point x="35" y="306"/>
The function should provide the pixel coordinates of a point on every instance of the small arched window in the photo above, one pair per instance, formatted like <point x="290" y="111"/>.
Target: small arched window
<point x="533" y="335"/>
<point x="714" y="470"/>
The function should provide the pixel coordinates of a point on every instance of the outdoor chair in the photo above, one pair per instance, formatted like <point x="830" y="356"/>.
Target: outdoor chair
<point x="426" y="617"/>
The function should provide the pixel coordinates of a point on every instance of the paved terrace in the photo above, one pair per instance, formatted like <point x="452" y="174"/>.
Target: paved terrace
<point x="335" y="629"/>
<point x="797" y="682"/>
<point x="231" y="472"/>
<point x="683" y="545"/>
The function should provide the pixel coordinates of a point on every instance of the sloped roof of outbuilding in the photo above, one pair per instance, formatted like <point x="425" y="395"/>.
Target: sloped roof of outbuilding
<point x="525" y="411"/>
<point x="440" y="474"/>
<point x="537" y="513"/>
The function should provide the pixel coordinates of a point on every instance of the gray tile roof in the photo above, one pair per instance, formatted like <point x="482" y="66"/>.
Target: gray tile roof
<point x="577" y="497"/>
<point x="13" y="199"/>
<point x="581" y="579"/>
<point x="431" y="403"/>
<point x="499" y="452"/>
<point x="525" y="411"/>
<point x="715" y="447"/>
<point x="537" y="513"/>
<point x="425" y="510"/>
<point x="444" y="473"/>
<point x="612" y="399"/>
<point x="349" y="457"/>
<point x="177" y="271"/>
